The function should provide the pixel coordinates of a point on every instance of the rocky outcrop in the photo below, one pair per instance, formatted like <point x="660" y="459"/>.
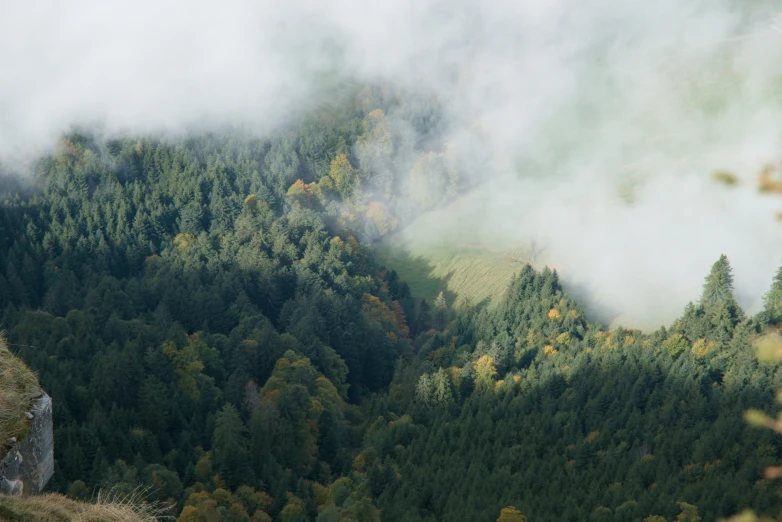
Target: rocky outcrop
<point x="29" y="464"/>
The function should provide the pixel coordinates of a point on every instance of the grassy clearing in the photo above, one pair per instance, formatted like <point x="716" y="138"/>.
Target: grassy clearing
<point x="18" y="387"/>
<point x="58" y="508"/>
<point x="468" y="273"/>
<point x="448" y="250"/>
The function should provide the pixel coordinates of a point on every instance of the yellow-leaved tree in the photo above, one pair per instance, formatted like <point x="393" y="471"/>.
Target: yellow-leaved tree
<point x="511" y="514"/>
<point x="298" y="407"/>
<point x="188" y="364"/>
<point x="344" y="176"/>
<point x="485" y="371"/>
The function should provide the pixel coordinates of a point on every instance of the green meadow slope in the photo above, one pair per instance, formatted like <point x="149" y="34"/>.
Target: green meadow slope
<point x="448" y="250"/>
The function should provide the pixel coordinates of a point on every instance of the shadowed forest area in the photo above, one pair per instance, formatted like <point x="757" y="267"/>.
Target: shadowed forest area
<point x="212" y="322"/>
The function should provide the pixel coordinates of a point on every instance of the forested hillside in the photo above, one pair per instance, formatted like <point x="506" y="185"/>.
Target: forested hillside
<point x="210" y="320"/>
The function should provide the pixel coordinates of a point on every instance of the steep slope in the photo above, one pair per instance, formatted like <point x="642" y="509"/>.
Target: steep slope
<point x="18" y="388"/>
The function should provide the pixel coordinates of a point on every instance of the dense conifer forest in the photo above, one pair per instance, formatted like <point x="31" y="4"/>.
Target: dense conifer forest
<point x="211" y="321"/>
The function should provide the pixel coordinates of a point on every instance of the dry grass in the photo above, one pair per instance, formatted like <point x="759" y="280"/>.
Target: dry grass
<point x="108" y="507"/>
<point x="18" y="388"/>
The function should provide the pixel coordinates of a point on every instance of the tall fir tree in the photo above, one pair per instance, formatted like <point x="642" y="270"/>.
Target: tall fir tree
<point x="229" y="448"/>
<point x="773" y="299"/>
<point x="718" y="302"/>
<point x="719" y="283"/>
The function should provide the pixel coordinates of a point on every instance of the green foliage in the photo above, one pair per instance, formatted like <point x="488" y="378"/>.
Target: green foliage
<point x="607" y="417"/>
<point x="718" y="287"/>
<point x="773" y="299"/>
<point x="689" y="513"/>
<point x="675" y="345"/>
<point x="211" y="325"/>
<point x="155" y="284"/>
<point x="230" y="448"/>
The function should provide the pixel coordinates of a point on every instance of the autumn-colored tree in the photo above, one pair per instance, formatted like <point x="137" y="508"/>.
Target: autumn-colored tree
<point x="344" y="176"/>
<point x="293" y="512"/>
<point x="324" y="190"/>
<point x="689" y="513"/>
<point x="511" y="514"/>
<point x="383" y="220"/>
<point x="261" y="516"/>
<point x="188" y="365"/>
<point x="298" y="407"/>
<point x="401" y="321"/>
<point x="300" y="192"/>
<point x="379" y="313"/>
<point x="485" y="371"/>
<point x="675" y="345"/>
<point x="340" y="490"/>
<point x="189" y="514"/>
<point x="200" y="507"/>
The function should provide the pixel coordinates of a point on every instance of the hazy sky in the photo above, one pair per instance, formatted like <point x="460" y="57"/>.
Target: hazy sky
<point x="578" y="101"/>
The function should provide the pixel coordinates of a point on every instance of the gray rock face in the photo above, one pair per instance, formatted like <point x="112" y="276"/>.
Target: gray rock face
<point x="29" y="464"/>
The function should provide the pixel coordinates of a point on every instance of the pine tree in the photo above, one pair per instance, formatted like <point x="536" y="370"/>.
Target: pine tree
<point x="424" y="317"/>
<point x="441" y="388"/>
<point x="423" y="389"/>
<point x="717" y="301"/>
<point x="229" y="447"/>
<point x="718" y="285"/>
<point x="773" y="299"/>
<point x="440" y="311"/>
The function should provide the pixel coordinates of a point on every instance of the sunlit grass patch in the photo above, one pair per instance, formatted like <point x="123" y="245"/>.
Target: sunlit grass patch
<point x="18" y="388"/>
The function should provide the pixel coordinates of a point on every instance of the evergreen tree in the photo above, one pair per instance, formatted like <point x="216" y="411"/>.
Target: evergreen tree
<point x="229" y="448"/>
<point x="718" y="286"/>
<point x="773" y="299"/>
<point x="441" y="388"/>
<point x="440" y="311"/>
<point x="424" y="389"/>
<point x="719" y="304"/>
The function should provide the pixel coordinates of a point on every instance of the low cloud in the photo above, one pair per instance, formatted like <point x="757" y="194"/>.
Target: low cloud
<point x="604" y="119"/>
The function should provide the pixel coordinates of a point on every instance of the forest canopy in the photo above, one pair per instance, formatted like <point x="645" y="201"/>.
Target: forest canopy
<point x="212" y="322"/>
